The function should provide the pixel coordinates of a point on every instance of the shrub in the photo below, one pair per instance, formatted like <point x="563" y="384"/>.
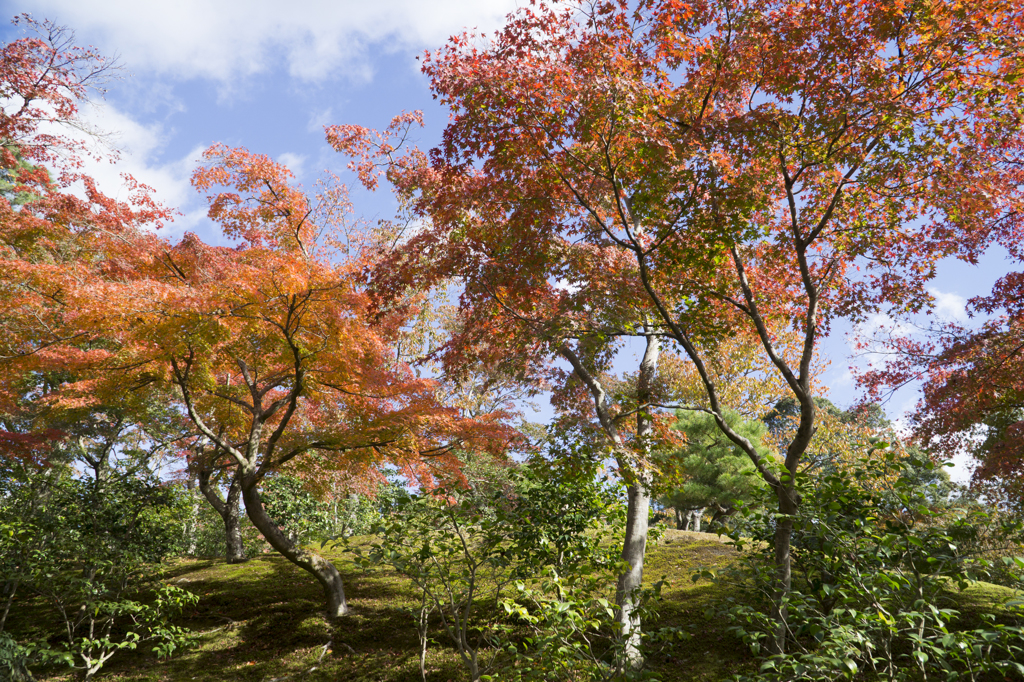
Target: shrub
<point x="875" y="564"/>
<point x="465" y="549"/>
<point x="84" y="549"/>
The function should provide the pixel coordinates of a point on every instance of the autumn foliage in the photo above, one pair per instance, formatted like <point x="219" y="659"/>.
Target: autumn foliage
<point x="273" y="332"/>
<point x="701" y="170"/>
<point x="709" y="186"/>
<point x="57" y="230"/>
<point x="973" y="386"/>
<point x="266" y="350"/>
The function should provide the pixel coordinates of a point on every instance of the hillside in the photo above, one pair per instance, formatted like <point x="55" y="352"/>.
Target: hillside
<point x="260" y="621"/>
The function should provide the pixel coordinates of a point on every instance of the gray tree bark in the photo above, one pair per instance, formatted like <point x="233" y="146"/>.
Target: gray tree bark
<point x="634" y="549"/>
<point x="788" y="503"/>
<point x="321" y="569"/>
<point x="638" y="494"/>
<point x="695" y="518"/>
<point x="230" y="513"/>
<point x="256" y="457"/>
<point x="636" y="472"/>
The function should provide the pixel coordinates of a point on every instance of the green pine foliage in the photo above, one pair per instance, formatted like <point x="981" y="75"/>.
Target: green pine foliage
<point x="714" y="473"/>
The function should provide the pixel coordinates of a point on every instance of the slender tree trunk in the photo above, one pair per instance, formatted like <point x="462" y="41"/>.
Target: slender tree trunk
<point x="321" y="569"/>
<point x="695" y="518"/>
<point x="230" y="513"/>
<point x="783" y="567"/>
<point x="633" y="550"/>
<point x="422" y="628"/>
<point x="11" y="588"/>
<point x="192" y="526"/>
<point x="234" y="548"/>
<point x="638" y="495"/>
<point x="636" y="472"/>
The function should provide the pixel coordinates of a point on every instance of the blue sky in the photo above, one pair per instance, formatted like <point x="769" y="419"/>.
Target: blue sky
<point x="268" y="75"/>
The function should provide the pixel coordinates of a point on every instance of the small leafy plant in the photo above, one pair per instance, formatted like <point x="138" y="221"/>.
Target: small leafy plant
<point x="465" y="549"/>
<point x="84" y="552"/>
<point x="876" y="563"/>
<point x="573" y="633"/>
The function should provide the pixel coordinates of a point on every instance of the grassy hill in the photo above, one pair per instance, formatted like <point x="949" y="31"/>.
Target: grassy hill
<point x="261" y="622"/>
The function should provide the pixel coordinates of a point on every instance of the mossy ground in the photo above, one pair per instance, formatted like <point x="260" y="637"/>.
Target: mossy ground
<point x="262" y="621"/>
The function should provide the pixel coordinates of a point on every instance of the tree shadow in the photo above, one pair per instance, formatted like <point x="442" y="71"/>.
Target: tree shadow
<point x="264" y="620"/>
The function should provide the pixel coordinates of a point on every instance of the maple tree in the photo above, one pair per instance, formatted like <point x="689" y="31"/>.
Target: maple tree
<point x="841" y="437"/>
<point x="68" y="252"/>
<point x="690" y="171"/>
<point x="209" y="467"/>
<point x="269" y="346"/>
<point x="559" y="322"/>
<point x="57" y="229"/>
<point x="973" y="393"/>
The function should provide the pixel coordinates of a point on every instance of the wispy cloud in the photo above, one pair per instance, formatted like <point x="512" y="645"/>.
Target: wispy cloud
<point x="296" y="163"/>
<point x="949" y="306"/>
<point x="318" y="119"/>
<point x="223" y="40"/>
<point x="139" y="148"/>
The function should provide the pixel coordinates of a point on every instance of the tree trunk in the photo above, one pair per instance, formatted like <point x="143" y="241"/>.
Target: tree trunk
<point x="321" y="569"/>
<point x="717" y="517"/>
<point x="638" y="495"/>
<point x="234" y="549"/>
<point x="783" y="567"/>
<point x="191" y="531"/>
<point x="634" y="467"/>
<point x="633" y="550"/>
<point x="10" y="589"/>
<point x="682" y="520"/>
<point x="695" y="518"/>
<point x="230" y="512"/>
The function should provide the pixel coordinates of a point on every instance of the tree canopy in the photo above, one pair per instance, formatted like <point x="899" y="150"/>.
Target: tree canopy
<point x="698" y="170"/>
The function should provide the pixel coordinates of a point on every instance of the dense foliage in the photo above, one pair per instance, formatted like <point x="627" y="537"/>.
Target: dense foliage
<point x="716" y="183"/>
<point x="710" y="472"/>
<point x="877" y="562"/>
<point x="86" y="552"/>
<point x="467" y="550"/>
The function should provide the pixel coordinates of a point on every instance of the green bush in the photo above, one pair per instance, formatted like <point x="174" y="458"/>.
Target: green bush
<point x="84" y="549"/>
<point x="876" y="565"/>
<point x="203" y="530"/>
<point x="572" y="633"/>
<point x="466" y="549"/>
<point x="308" y="519"/>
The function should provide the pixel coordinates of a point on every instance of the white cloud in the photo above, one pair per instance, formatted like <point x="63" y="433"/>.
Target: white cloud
<point x="845" y="379"/>
<point x="949" y="306"/>
<point x="138" y="149"/>
<point x="319" y="119"/>
<point x="226" y="39"/>
<point x="566" y="285"/>
<point x="296" y="163"/>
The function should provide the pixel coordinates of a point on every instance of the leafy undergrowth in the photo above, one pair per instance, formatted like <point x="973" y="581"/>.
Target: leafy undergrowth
<point x="262" y="622"/>
<point x="711" y="654"/>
